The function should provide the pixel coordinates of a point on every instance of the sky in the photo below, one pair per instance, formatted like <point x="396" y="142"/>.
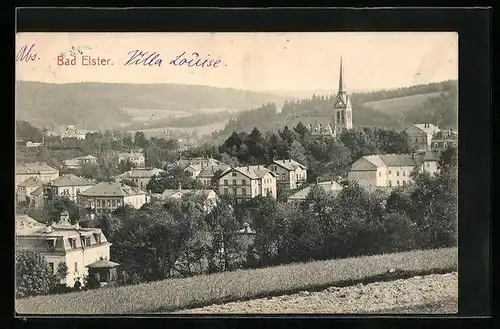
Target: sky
<point x="252" y="61"/>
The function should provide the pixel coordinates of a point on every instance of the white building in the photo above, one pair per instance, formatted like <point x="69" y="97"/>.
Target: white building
<point x="290" y="174"/>
<point x="207" y="174"/>
<point x="420" y="136"/>
<point x="107" y="196"/>
<point x="444" y="139"/>
<point x="68" y="186"/>
<point x="77" y="163"/>
<point x="42" y="171"/>
<point x="209" y="197"/>
<point x="248" y="182"/>
<point x="63" y="243"/>
<point x="137" y="158"/>
<point x="391" y="169"/>
<point x="140" y="176"/>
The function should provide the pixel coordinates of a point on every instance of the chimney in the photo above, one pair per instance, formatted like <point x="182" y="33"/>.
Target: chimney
<point x="248" y="168"/>
<point x="77" y="226"/>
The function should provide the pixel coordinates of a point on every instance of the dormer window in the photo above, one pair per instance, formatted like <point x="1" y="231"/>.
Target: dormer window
<point x="97" y="237"/>
<point x="72" y="243"/>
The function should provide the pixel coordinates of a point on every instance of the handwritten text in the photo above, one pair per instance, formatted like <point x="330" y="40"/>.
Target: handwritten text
<point x="26" y="54"/>
<point x="194" y="61"/>
<point x="138" y="57"/>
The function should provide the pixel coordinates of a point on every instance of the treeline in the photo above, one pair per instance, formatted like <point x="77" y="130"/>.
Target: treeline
<point x="442" y="108"/>
<point x="325" y="157"/>
<point x="445" y="86"/>
<point x="176" y="238"/>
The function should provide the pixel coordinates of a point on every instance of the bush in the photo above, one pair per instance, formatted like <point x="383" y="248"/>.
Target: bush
<point x="33" y="275"/>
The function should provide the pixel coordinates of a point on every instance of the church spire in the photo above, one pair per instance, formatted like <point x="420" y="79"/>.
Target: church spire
<point x="341" y="79"/>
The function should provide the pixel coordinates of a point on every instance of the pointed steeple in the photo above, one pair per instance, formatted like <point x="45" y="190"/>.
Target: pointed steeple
<point x="341" y="79"/>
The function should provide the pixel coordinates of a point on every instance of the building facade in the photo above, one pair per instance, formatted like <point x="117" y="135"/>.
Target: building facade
<point x="135" y="157"/>
<point x="420" y="136"/>
<point x="390" y="169"/>
<point x="140" y="176"/>
<point x="63" y="243"/>
<point x="207" y="174"/>
<point x="444" y="139"/>
<point x="248" y="182"/>
<point x="78" y="163"/>
<point x="289" y="173"/>
<point x="68" y="186"/>
<point x="107" y="196"/>
<point x="25" y="188"/>
<point x="42" y="171"/>
<point x="208" y="198"/>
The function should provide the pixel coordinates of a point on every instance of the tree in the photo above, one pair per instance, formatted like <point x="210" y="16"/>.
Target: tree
<point x="140" y="139"/>
<point x="62" y="271"/>
<point x="298" y="153"/>
<point x="33" y="274"/>
<point x="229" y="160"/>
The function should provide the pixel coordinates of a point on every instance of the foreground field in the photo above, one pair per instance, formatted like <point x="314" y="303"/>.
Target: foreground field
<point x="436" y="293"/>
<point x="176" y="294"/>
<point x="395" y="106"/>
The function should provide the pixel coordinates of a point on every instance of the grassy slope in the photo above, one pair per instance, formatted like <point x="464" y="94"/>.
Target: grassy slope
<point x="169" y="295"/>
<point x="395" y="106"/>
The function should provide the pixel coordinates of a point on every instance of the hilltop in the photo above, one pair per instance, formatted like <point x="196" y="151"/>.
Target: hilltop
<point x="100" y="106"/>
<point x="397" y="109"/>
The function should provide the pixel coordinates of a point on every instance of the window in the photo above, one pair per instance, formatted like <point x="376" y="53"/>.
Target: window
<point x="226" y="182"/>
<point x="234" y="190"/>
<point x="233" y="174"/>
<point x="389" y="172"/>
<point x="416" y="140"/>
<point x="226" y="191"/>
<point x="87" y="241"/>
<point x="397" y="173"/>
<point x="108" y="203"/>
<point x="428" y="164"/>
<point x="379" y="174"/>
<point x="77" y="190"/>
<point x="114" y="203"/>
<point x="404" y="173"/>
<point x="390" y="183"/>
<point x="404" y="183"/>
<point x="51" y="267"/>
<point x="72" y="243"/>
<point x="97" y="237"/>
<point x="76" y="267"/>
<point x="243" y="191"/>
<point x="243" y="182"/>
<point x="234" y="181"/>
<point x="397" y="183"/>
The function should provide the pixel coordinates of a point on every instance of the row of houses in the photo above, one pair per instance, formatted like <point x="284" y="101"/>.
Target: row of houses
<point x="426" y="136"/>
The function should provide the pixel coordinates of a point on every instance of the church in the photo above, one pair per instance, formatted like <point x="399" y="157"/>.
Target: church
<point x="342" y="113"/>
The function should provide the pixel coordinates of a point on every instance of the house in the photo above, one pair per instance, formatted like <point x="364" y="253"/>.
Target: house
<point x="389" y="169"/>
<point x="33" y="144"/>
<point x="444" y="139"/>
<point x="63" y="243"/>
<point x="68" y="186"/>
<point x="40" y="170"/>
<point x="140" y="176"/>
<point x="209" y="197"/>
<point x="25" y="188"/>
<point x="331" y="187"/>
<point x="107" y="196"/>
<point x="428" y="162"/>
<point x="289" y="173"/>
<point x="36" y="198"/>
<point x="420" y="136"/>
<point x="135" y="157"/>
<point x="248" y="182"/>
<point x="77" y="163"/>
<point x="72" y="132"/>
<point x="194" y="166"/>
<point x="207" y="174"/>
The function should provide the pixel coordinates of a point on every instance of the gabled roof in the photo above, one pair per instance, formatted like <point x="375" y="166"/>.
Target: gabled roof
<point x="330" y="186"/>
<point x="367" y="163"/>
<point x="169" y="192"/>
<point x="428" y="128"/>
<point x="31" y="182"/>
<point x="209" y="171"/>
<point x="37" y="192"/>
<point x="112" y="189"/>
<point x="392" y="160"/>
<point x="102" y="263"/>
<point x="70" y="180"/>
<point x="140" y="173"/>
<point x="34" y="168"/>
<point x="289" y="164"/>
<point x="252" y="172"/>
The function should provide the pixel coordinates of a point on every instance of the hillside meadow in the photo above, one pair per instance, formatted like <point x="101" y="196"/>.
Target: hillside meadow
<point x="175" y="294"/>
<point x="395" y="106"/>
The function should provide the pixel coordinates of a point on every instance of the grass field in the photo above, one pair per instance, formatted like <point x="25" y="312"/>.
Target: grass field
<point x="174" y="294"/>
<point x="399" y="105"/>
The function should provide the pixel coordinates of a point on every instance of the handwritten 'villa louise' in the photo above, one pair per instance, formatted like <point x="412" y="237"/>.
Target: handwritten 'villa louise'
<point x="84" y="60"/>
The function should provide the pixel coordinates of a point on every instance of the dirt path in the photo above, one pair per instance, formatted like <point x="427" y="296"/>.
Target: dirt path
<point x="437" y="293"/>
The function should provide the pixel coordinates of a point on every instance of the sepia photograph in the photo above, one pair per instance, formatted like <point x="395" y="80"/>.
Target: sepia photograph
<point x="236" y="173"/>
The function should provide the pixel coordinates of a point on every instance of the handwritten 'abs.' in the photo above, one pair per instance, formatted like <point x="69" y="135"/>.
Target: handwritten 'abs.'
<point x="145" y="58"/>
<point x="26" y="54"/>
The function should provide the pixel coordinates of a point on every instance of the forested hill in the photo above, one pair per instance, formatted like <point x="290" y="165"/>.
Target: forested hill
<point x="99" y="105"/>
<point x="416" y="104"/>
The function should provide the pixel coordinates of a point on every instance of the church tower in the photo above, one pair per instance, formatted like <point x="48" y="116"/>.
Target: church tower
<point x="342" y="108"/>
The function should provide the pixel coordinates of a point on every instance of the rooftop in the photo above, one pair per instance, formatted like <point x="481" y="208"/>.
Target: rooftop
<point x="428" y="128"/>
<point x="209" y="171"/>
<point x="31" y="182"/>
<point x="329" y="186"/>
<point x="70" y="180"/>
<point x="141" y="173"/>
<point x="252" y="172"/>
<point x="102" y="263"/>
<point x="169" y="192"/>
<point x="34" y="168"/>
<point x="112" y="189"/>
<point x="289" y="164"/>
